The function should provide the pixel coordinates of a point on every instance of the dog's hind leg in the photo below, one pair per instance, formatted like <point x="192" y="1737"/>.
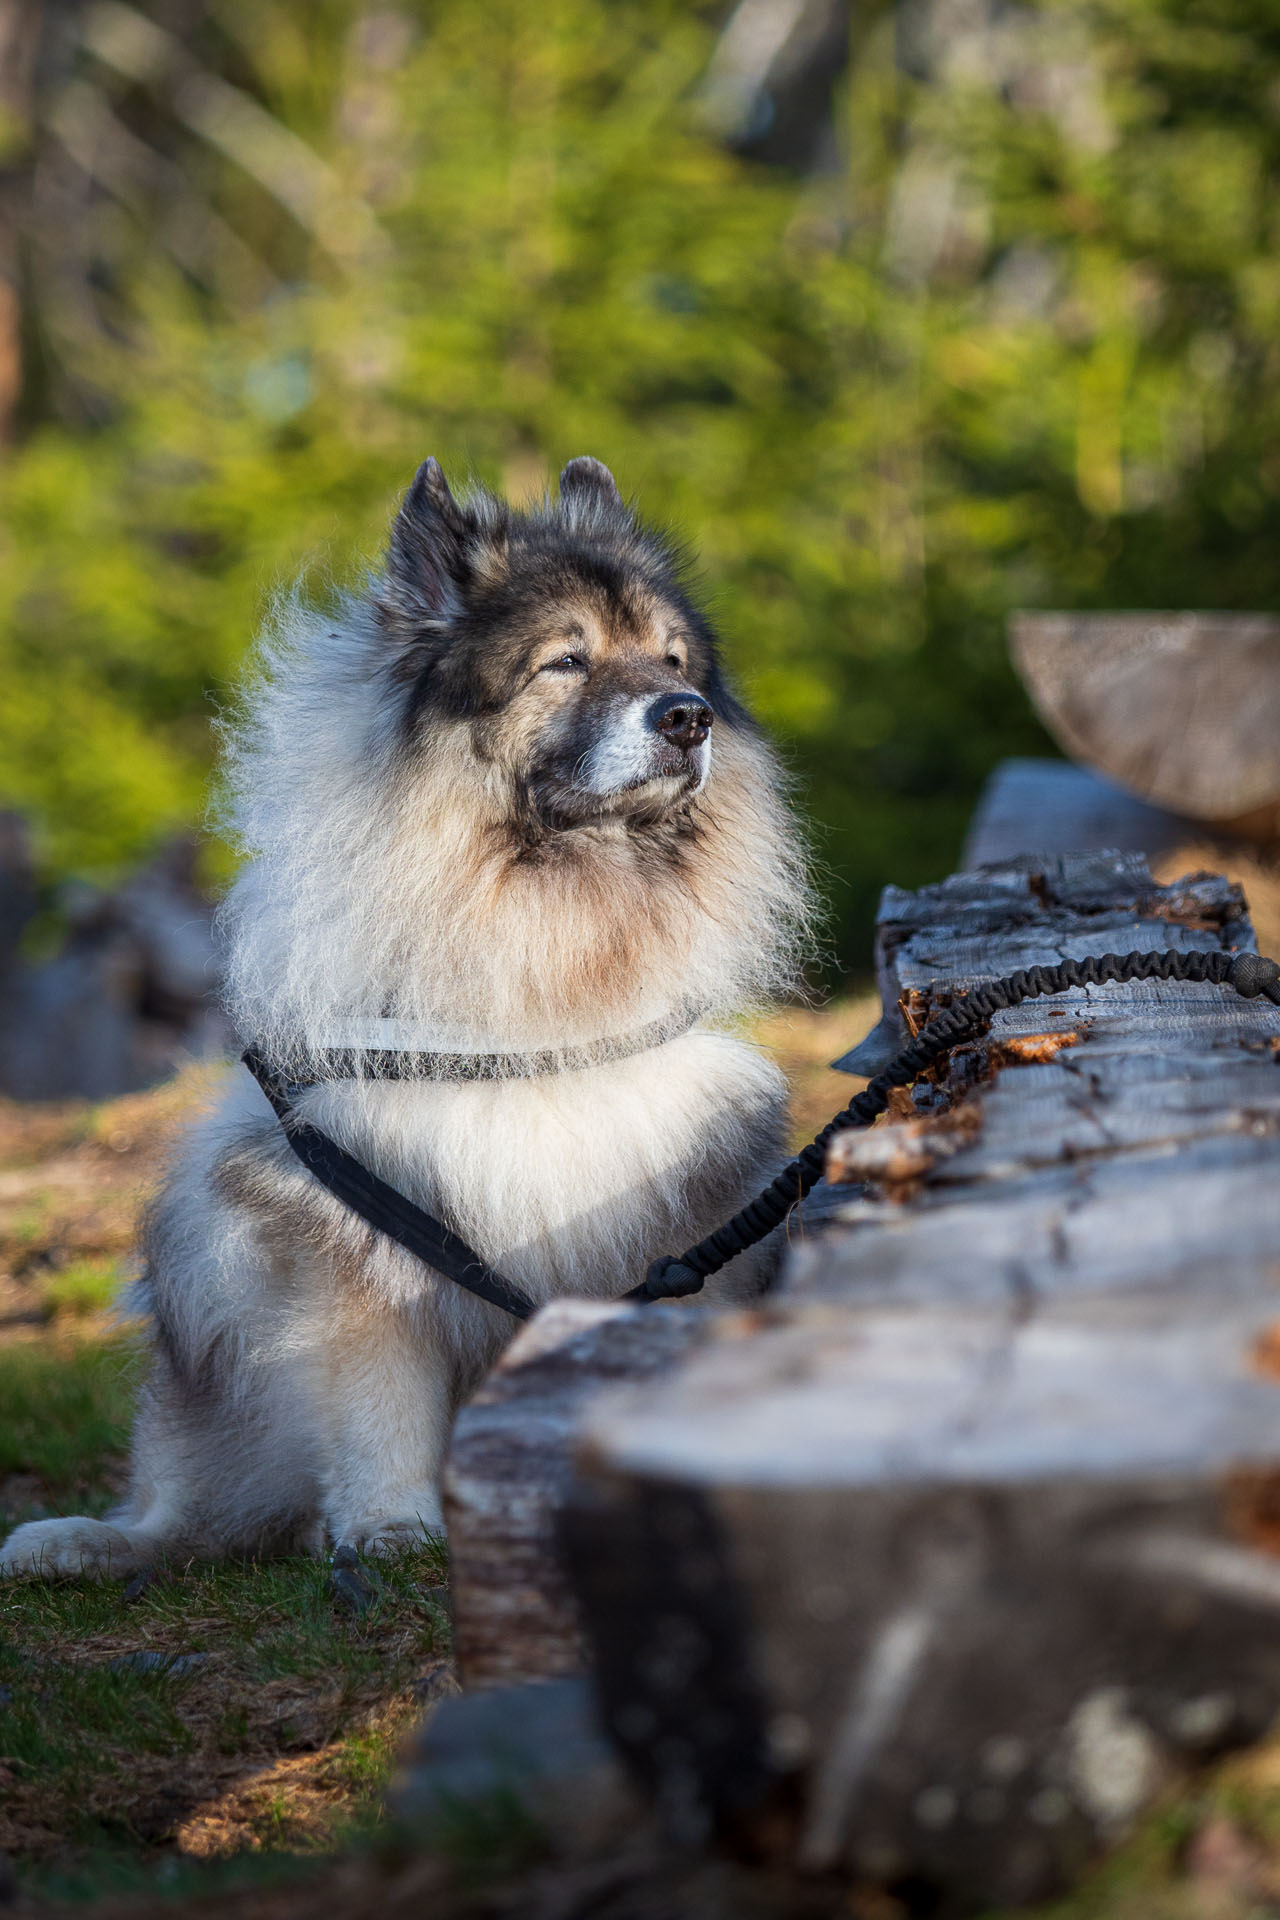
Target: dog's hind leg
<point x="389" y="1409"/>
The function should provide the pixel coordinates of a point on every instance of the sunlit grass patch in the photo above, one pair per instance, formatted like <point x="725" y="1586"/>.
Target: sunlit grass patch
<point x="271" y="1724"/>
<point x="81" y="1289"/>
<point x="804" y="1041"/>
<point x="64" y="1411"/>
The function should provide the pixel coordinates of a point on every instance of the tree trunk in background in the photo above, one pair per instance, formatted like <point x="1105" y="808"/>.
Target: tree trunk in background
<point x="20" y="23"/>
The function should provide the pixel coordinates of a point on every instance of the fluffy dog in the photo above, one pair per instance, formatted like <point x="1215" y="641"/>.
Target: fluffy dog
<point x="503" y="801"/>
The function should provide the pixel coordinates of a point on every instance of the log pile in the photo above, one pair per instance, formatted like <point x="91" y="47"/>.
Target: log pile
<point x="938" y="1566"/>
<point x="960" y="1548"/>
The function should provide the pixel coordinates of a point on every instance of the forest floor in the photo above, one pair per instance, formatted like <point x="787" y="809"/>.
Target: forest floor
<point x="217" y="1712"/>
<point x="194" y="1717"/>
<point x="214" y="1727"/>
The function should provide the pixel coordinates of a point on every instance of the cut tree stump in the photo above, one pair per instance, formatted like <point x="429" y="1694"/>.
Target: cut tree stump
<point x="940" y="1596"/>
<point x="1183" y="709"/>
<point x="941" y="1564"/>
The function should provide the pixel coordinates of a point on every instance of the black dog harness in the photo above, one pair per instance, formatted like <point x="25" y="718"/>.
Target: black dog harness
<point x="389" y="1212"/>
<point x="378" y="1203"/>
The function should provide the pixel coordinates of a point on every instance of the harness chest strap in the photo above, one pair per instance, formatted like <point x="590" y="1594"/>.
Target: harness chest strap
<point x="381" y="1206"/>
<point x="389" y="1212"/>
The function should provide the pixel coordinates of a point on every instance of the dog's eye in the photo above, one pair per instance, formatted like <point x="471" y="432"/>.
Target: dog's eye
<point x="567" y="663"/>
<point x="674" y="660"/>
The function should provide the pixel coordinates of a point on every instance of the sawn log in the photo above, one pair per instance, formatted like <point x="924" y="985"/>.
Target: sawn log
<point x="941" y="1565"/>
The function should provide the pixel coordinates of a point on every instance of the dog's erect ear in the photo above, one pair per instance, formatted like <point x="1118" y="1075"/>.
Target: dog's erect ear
<point x="436" y="548"/>
<point x="425" y="558"/>
<point x="586" y="481"/>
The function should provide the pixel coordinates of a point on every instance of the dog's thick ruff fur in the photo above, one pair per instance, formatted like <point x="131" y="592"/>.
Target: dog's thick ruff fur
<point x="484" y="805"/>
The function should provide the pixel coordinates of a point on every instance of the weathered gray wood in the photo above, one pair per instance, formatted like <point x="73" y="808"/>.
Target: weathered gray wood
<point x="1032" y="907"/>
<point x="977" y="926"/>
<point x="509" y="1470"/>
<point x="1183" y="709"/>
<point x="1065" y="1174"/>
<point x="982" y="1582"/>
<point x="958" y="1546"/>
<point x="1053" y="807"/>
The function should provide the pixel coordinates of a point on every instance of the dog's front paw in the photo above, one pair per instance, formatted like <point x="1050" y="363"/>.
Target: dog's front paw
<point x="75" y="1549"/>
<point x="399" y="1532"/>
<point x="388" y="1537"/>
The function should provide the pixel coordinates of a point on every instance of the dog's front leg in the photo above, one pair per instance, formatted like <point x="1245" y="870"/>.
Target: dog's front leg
<point x="388" y="1410"/>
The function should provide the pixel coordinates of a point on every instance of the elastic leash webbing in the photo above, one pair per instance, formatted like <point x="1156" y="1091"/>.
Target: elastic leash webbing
<point x="672" y="1278"/>
<point x="382" y="1207"/>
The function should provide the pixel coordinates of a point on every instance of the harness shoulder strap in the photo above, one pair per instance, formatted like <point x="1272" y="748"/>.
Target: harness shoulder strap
<point x="381" y="1207"/>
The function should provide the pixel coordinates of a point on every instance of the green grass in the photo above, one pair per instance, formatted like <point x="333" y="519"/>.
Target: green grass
<point x="65" y="1410"/>
<point x="278" y="1616"/>
<point x="77" y="1732"/>
<point x="81" y="1288"/>
<point x="101" y="1765"/>
<point x="74" y="1727"/>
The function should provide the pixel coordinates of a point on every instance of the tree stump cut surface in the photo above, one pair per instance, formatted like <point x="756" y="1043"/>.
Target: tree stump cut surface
<point x="1183" y="709"/>
<point x="963" y="1545"/>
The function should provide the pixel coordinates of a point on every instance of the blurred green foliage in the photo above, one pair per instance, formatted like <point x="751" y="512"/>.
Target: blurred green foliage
<point x="1019" y="347"/>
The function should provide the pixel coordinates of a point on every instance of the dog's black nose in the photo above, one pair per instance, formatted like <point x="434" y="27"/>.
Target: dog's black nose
<point x="682" y="718"/>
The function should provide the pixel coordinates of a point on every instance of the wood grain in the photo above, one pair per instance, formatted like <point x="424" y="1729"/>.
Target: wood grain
<point x="1183" y="709"/>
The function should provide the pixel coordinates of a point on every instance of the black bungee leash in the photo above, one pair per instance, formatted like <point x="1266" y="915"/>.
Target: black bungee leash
<point x="671" y="1277"/>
